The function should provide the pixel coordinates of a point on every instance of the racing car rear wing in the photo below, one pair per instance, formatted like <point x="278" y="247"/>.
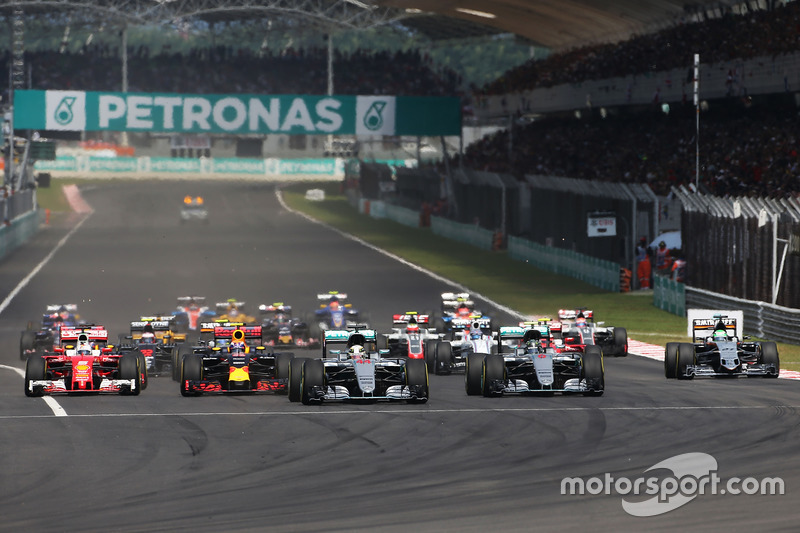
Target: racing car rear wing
<point x="406" y="318"/>
<point x="451" y="300"/>
<point x="157" y="325"/>
<point x="226" y="332"/>
<point x="704" y="327"/>
<point x="484" y="323"/>
<point x="274" y="308"/>
<point x="54" y="308"/>
<point x="327" y="296"/>
<point x="93" y="333"/>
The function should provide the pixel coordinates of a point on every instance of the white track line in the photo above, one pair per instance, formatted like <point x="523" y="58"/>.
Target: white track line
<point x="321" y="411"/>
<point x="642" y="349"/>
<point x="54" y="406"/>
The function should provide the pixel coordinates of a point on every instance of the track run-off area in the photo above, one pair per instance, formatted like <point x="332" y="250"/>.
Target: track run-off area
<point x="162" y="462"/>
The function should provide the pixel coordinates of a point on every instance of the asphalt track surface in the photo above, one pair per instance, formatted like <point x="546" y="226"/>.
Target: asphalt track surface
<point x="162" y="462"/>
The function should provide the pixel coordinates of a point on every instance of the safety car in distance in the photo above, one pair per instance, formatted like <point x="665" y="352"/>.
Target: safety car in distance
<point x="410" y="337"/>
<point x="612" y="339"/>
<point x="280" y="328"/>
<point x="716" y="350"/>
<point x="535" y="368"/>
<point x="351" y="369"/>
<point x="83" y="363"/>
<point x="194" y="209"/>
<point x="235" y="361"/>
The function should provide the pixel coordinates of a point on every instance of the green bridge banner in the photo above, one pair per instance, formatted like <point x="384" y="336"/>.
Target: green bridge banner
<point x="236" y="113"/>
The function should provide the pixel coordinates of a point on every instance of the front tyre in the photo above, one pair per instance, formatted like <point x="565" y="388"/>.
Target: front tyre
<point x="313" y="379"/>
<point x="769" y="355"/>
<point x="430" y="354"/>
<point x="473" y="373"/>
<point x="671" y="360"/>
<point x="444" y="359"/>
<point x="686" y="358"/>
<point x="592" y="371"/>
<point x="620" y="342"/>
<point x="142" y="368"/>
<point x="296" y="378"/>
<point x="494" y="371"/>
<point x="26" y="342"/>
<point x="191" y="370"/>
<point x="283" y="363"/>
<point x="129" y="370"/>
<point x="35" y="370"/>
<point x="417" y="378"/>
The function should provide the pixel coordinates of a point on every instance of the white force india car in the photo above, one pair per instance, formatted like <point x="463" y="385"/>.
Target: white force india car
<point x="534" y="368"/>
<point x="717" y="351"/>
<point x="356" y="372"/>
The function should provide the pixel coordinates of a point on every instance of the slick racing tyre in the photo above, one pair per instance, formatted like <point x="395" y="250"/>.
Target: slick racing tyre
<point x="620" y="342"/>
<point x="283" y="362"/>
<point x="769" y="355"/>
<point x="686" y="358"/>
<point x="671" y="360"/>
<point x="444" y="359"/>
<point x="129" y="369"/>
<point x="592" y="371"/>
<point x="473" y="373"/>
<point x="313" y="376"/>
<point x="417" y="376"/>
<point x="178" y="353"/>
<point x="191" y="370"/>
<point x="26" y="343"/>
<point x="35" y="370"/>
<point x="296" y="378"/>
<point x="494" y="370"/>
<point x="430" y="354"/>
<point x="142" y="367"/>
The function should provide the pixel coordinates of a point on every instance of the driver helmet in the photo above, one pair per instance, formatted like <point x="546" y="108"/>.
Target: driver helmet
<point x="63" y="313"/>
<point x="475" y="332"/>
<point x="236" y="347"/>
<point x="233" y="312"/>
<point x="334" y="304"/>
<point x="720" y="335"/>
<point x="412" y="327"/>
<point x="356" y="352"/>
<point x="148" y="337"/>
<point x="84" y="349"/>
<point x="463" y="310"/>
<point x="580" y="320"/>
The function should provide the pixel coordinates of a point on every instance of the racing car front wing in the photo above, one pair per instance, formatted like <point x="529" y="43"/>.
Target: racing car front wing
<point x="393" y="392"/>
<point x="754" y="369"/>
<point x="50" y="386"/>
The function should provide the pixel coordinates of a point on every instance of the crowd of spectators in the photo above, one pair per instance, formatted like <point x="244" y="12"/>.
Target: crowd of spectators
<point x="742" y="152"/>
<point x="757" y="33"/>
<point x="225" y="70"/>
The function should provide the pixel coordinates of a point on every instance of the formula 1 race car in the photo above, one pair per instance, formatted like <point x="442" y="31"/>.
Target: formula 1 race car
<point x="451" y="355"/>
<point x="191" y="312"/>
<point x="194" y="208"/>
<point x="44" y="339"/>
<point x="233" y="310"/>
<point x="334" y="312"/>
<point x="357" y="372"/>
<point x="457" y="313"/>
<point x="717" y="351"/>
<point x="613" y="340"/>
<point x="83" y="363"/>
<point x="534" y="368"/>
<point x="234" y="362"/>
<point x="153" y="339"/>
<point x="280" y="328"/>
<point x="411" y="339"/>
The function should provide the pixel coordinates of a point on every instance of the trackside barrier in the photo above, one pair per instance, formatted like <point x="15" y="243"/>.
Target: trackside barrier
<point x="373" y="208"/>
<point x="761" y="319"/>
<point x="670" y="295"/>
<point x="467" y="233"/>
<point x="19" y="231"/>
<point x="401" y="215"/>
<point x="597" y="272"/>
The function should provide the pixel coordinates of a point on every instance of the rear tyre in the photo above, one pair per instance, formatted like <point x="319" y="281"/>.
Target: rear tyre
<point x="26" y="343"/>
<point x="494" y="369"/>
<point x="283" y="362"/>
<point x="430" y="354"/>
<point x="313" y="376"/>
<point x="769" y="355"/>
<point x="191" y="370"/>
<point x="671" y="360"/>
<point x="444" y="359"/>
<point x="35" y="370"/>
<point x="620" y="342"/>
<point x="129" y="369"/>
<point x="473" y="373"/>
<point x="296" y="378"/>
<point x="417" y="376"/>
<point x="686" y="358"/>
<point x="592" y="371"/>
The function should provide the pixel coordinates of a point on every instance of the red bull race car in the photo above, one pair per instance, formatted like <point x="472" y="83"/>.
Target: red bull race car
<point x="83" y="363"/>
<point x="235" y="361"/>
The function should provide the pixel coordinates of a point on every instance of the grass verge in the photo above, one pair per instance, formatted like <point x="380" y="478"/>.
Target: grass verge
<point x="515" y="284"/>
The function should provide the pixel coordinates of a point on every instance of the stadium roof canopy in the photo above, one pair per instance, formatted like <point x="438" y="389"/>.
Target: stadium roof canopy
<point x="556" y="24"/>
